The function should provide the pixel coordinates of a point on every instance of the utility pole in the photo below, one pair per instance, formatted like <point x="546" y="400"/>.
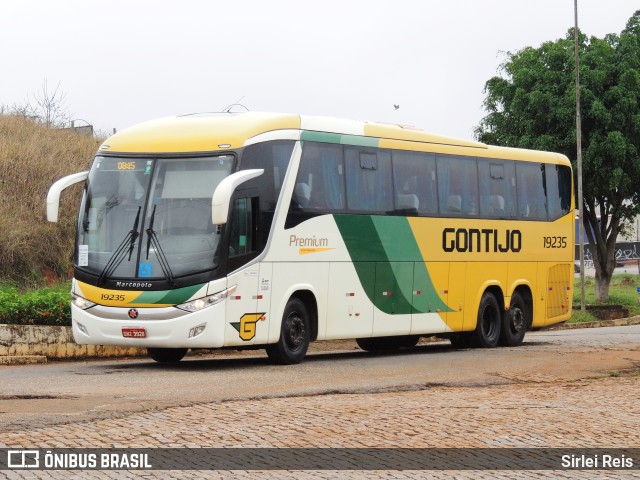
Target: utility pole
<point x="583" y="306"/>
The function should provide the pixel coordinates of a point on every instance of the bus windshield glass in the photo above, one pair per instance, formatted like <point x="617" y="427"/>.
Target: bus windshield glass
<point x="150" y="218"/>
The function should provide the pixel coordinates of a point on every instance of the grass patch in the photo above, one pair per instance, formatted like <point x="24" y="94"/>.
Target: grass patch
<point x="622" y="291"/>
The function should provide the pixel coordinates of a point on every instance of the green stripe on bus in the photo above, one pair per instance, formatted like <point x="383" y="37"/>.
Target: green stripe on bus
<point x="324" y="137"/>
<point x="399" y="242"/>
<point x="379" y="278"/>
<point x="169" y="297"/>
<point x="389" y="264"/>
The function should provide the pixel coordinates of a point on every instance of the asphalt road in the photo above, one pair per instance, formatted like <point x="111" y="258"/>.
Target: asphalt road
<point x="66" y="392"/>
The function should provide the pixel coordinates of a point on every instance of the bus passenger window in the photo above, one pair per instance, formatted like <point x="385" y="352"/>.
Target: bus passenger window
<point x="497" y="188"/>
<point x="319" y="185"/>
<point x="531" y="194"/>
<point x="415" y="184"/>
<point x="369" y="187"/>
<point x="558" y="182"/>
<point x="458" y="185"/>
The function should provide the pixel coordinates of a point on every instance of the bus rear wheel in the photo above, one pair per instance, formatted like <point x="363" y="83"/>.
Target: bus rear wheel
<point x="167" y="355"/>
<point x="514" y="325"/>
<point x="295" y="335"/>
<point x="487" y="331"/>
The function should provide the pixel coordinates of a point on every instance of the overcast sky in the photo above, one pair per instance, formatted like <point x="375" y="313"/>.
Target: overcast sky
<point x="121" y="62"/>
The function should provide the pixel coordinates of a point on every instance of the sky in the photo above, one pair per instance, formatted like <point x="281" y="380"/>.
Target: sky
<point x="121" y="62"/>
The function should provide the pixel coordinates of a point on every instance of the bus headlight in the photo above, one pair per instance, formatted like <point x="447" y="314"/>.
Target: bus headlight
<point x="81" y="302"/>
<point x="208" y="301"/>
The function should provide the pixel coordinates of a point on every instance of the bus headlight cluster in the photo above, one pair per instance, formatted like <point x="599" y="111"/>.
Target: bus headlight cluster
<point x="81" y="302"/>
<point x="208" y="301"/>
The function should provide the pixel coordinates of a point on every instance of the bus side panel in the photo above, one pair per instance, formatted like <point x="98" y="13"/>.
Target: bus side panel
<point x="242" y="316"/>
<point x="458" y="280"/>
<point x="393" y="298"/>
<point x="430" y="282"/>
<point x="439" y="272"/>
<point x="291" y="277"/>
<point x="540" y="296"/>
<point x="349" y="310"/>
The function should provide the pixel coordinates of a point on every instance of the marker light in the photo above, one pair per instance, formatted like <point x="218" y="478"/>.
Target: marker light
<point x="208" y="301"/>
<point x="81" y="302"/>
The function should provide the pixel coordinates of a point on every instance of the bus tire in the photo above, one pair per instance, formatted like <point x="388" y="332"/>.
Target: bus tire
<point x="489" y="324"/>
<point x="382" y="344"/>
<point x="167" y="355"/>
<point x="514" y="325"/>
<point x="295" y="334"/>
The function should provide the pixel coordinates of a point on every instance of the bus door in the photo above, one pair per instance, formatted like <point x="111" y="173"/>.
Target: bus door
<point x="246" y="312"/>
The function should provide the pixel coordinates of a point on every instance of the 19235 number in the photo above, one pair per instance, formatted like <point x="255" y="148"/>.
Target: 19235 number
<point x="555" y="242"/>
<point x="112" y="297"/>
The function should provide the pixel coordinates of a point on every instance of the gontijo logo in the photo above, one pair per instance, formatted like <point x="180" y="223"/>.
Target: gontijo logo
<point x="481" y="240"/>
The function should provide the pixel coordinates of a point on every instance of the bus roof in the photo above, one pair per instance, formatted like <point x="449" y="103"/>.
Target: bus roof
<point x="208" y="132"/>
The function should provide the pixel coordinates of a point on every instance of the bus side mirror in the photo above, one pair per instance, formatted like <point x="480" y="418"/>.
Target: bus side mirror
<point x="222" y="195"/>
<point x="53" y="197"/>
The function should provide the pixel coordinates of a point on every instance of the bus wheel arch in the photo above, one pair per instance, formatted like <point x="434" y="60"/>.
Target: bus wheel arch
<point x="296" y="330"/>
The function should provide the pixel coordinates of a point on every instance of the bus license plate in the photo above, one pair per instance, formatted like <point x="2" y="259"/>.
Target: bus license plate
<point x="134" y="332"/>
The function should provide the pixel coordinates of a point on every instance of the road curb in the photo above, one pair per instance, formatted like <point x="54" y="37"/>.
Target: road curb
<point x="620" y="322"/>
<point x="22" y="359"/>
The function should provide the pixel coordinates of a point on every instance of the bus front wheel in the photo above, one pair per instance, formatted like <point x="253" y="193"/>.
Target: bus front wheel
<point x="515" y="322"/>
<point x="295" y="335"/>
<point x="487" y="331"/>
<point x="167" y="355"/>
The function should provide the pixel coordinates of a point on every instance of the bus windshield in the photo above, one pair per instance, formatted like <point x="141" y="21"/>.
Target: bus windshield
<point x="150" y="218"/>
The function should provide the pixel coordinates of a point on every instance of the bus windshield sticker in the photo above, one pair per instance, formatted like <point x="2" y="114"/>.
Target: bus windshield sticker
<point x="144" y="270"/>
<point x="83" y="255"/>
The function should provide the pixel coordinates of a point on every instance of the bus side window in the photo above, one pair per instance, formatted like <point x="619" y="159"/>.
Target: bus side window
<point x="415" y="183"/>
<point x="531" y="195"/>
<point x="319" y="185"/>
<point x="558" y="182"/>
<point x="497" y="188"/>
<point x="242" y="237"/>
<point x="458" y="185"/>
<point x="369" y="187"/>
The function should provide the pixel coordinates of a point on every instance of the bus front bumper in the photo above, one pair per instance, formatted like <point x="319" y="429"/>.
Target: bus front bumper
<point x="166" y="327"/>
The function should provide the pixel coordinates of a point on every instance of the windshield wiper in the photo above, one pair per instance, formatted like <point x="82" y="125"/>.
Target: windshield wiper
<point x="152" y="239"/>
<point x="118" y="255"/>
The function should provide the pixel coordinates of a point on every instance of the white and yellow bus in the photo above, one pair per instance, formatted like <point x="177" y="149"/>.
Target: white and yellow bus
<point x="273" y="230"/>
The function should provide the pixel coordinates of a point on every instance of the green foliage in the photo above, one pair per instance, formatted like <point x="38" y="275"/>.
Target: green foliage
<point x="47" y="306"/>
<point x="532" y="105"/>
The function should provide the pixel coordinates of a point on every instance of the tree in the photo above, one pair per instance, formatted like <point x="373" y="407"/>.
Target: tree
<point x="532" y="105"/>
